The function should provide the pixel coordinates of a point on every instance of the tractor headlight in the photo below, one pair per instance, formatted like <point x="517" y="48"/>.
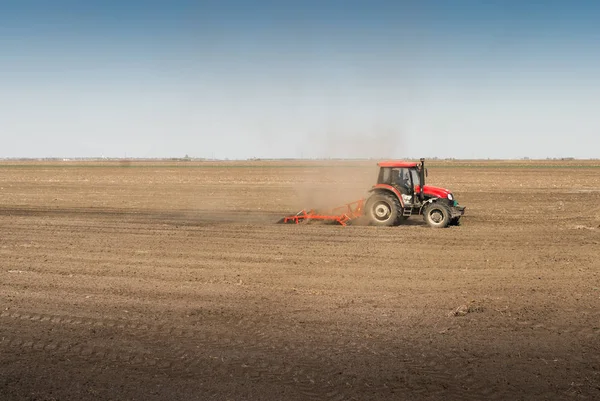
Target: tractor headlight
<point x="450" y="197"/>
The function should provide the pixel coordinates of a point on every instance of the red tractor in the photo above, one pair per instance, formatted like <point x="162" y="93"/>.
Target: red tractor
<point x="400" y="192"/>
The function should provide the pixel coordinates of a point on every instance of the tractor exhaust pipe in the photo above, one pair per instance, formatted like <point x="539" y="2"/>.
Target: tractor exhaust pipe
<point x="422" y="179"/>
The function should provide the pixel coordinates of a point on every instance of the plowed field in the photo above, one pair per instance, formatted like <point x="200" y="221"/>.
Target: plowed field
<point x="170" y="281"/>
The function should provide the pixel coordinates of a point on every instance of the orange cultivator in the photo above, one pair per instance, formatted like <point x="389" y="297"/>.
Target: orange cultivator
<point x="341" y="214"/>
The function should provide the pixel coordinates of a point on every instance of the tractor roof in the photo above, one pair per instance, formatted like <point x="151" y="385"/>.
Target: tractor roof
<point x="397" y="163"/>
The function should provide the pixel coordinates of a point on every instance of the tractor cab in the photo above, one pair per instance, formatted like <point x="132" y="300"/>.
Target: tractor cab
<point x="404" y="177"/>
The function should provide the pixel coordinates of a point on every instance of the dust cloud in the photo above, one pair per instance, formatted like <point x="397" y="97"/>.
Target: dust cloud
<point x="373" y="143"/>
<point x="346" y="167"/>
<point x="328" y="186"/>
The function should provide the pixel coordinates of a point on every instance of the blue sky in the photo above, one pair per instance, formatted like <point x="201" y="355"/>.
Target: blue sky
<point x="237" y="79"/>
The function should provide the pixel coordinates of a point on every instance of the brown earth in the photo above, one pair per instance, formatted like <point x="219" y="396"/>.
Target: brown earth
<point x="169" y="281"/>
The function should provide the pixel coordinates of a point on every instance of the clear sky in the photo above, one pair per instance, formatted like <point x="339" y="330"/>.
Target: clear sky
<point x="242" y="79"/>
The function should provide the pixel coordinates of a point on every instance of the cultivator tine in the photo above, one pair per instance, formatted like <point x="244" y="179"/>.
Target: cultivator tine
<point x="294" y="219"/>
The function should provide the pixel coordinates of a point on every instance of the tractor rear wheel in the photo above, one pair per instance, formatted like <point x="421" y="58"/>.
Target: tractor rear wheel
<point x="437" y="215"/>
<point x="383" y="210"/>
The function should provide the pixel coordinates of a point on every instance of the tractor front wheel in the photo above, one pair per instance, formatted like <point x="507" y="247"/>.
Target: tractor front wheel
<point x="437" y="215"/>
<point x="383" y="210"/>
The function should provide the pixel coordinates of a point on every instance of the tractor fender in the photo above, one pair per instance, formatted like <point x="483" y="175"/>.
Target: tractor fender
<point x="427" y="202"/>
<point x="387" y="189"/>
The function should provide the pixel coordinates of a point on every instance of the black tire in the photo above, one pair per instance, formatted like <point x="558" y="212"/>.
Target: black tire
<point x="383" y="210"/>
<point x="437" y="215"/>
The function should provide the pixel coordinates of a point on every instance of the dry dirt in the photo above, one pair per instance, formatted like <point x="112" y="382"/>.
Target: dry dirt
<point x="169" y="281"/>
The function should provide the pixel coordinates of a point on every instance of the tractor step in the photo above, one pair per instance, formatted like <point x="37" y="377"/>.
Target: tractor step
<point x="407" y="211"/>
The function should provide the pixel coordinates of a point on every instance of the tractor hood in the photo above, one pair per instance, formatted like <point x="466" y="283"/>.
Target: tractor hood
<point x="436" y="192"/>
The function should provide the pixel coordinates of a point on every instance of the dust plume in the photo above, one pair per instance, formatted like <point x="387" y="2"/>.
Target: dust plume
<point x="334" y="184"/>
<point x="372" y="142"/>
<point x="353" y="172"/>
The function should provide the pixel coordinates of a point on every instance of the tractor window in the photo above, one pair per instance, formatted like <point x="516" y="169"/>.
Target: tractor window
<point x="415" y="177"/>
<point x="402" y="179"/>
<point x="385" y="176"/>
